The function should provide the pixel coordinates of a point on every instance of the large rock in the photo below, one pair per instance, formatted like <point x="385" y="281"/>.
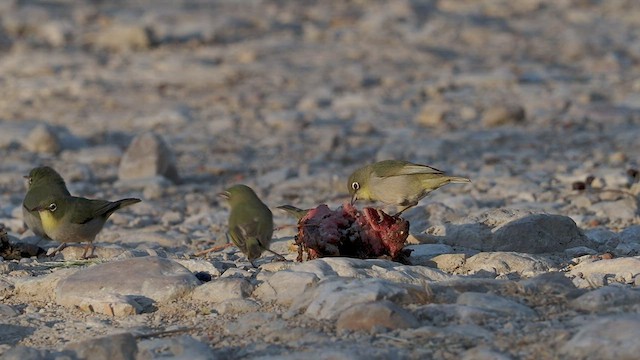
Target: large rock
<point x="595" y="273"/>
<point x="145" y="280"/>
<point x="332" y="297"/>
<point x="286" y="286"/>
<point x="512" y="230"/>
<point x="503" y="263"/>
<point x="42" y="139"/>
<point x="181" y="347"/>
<point x="42" y="287"/>
<point x="148" y="156"/>
<point x="371" y="268"/>
<point x="113" y="347"/>
<point x="495" y="303"/>
<point x="223" y="289"/>
<point x="613" y="337"/>
<point x="606" y="298"/>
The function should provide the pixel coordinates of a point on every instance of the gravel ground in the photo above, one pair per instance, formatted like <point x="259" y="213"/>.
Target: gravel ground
<point x="537" y="102"/>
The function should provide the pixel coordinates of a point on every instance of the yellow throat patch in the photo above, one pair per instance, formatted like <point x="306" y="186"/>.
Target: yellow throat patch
<point x="49" y="222"/>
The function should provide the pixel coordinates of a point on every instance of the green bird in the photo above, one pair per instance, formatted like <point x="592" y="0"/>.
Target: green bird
<point x="397" y="182"/>
<point x="250" y="222"/>
<point x="69" y="219"/>
<point x="43" y="181"/>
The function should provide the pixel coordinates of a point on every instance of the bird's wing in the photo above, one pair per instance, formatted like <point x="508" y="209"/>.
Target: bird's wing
<point x="238" y="237"/>
<point x="86" y="210"/>
<point x="407" y="168"/>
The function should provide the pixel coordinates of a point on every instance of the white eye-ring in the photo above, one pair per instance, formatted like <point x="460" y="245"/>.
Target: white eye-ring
<point x="53" y="207"/>
<point x="30" y="181"/>
<point x="355" y="185"/>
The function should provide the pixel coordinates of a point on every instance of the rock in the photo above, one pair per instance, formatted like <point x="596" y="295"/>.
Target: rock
<point x="197" y="265"/>
<point x="371" y="268"/>
<point x="511" y="230"/>
<point x="223" y="289"/>
<point x="119" y="37"/>
<point x="181" y="347"/>
<point x="504" y="263"/>
<point x="7" y="311"/>
<point x="468" y="332"/>
<point x="625" y="209"/>
<point x="612" y="337"/>
<point x="286" y="286"/>
<point x="42" y="139"/>
<point x="538" y="234"/>
<point x="332" y="297"/>
<point x="251" y="322"/>
<point x="606" y="298"/>
<point x="21" y="352"/>
<point x="148" y="155"/>
<point x="432" y="114"/>
<point x="112" y="347"/>
<point x="145" y="279"/>
<point x="75" y="251"/>
<point x="441" y="314"/>
<point x="110" y="304"/>
<point x="579" y="251"/>
<point x="629" y="242"/>
<point x="483" y="353"/>
<point x="42" y="287"/>
<point x="422" y="254"/>
<point x="549" y="286"/>
<point x="375" y="316"/>
<point x="450" y="263"/>
<point x="499" y="115"/>
<point x="495" y="304"/>
<point x="597" y="273"/>
<point x="236" y="306"/>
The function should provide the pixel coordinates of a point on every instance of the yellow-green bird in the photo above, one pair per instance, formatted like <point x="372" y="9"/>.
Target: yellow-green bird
<point x="69" y="219"/>
<point x="43" y="182"/>
<point x="250" y="222"/>
<point x="397" y="182"/>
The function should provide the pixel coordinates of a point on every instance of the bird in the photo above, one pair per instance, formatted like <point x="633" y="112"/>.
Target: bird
<point x="42" y="181"/>
<point x="397" y="182"/>
<point x="250" y="222"/>
<point x="69" y="219"/>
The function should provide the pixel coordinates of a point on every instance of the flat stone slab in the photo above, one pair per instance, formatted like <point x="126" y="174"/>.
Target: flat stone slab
<point x="146" y="279"/>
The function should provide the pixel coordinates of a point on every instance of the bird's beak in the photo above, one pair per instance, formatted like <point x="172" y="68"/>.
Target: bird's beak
<point x="354" y="197"/>
<point x="224" y="195"/>
<point x="26" y="176"/>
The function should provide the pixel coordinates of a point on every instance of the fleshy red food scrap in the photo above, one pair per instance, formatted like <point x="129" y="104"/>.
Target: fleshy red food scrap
<point x="370" y="233"/>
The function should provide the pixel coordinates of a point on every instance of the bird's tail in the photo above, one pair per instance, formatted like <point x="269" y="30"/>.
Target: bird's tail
<point x="116" y="205"/>
<point x="297" y="213"/>
<point x="457" y="180"/>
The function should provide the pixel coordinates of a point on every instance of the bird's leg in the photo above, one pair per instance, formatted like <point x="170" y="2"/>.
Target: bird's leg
<point x="403" y="210"/>
<point x="86" y="248"/>
<point x="58" y="249"/>
<point x="280" y="257"/>
<point x="213" y="249"/>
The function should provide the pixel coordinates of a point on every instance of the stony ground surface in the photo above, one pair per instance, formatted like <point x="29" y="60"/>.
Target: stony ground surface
<point x="538" y="102"/>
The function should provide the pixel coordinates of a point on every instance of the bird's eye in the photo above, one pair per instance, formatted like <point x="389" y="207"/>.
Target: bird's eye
<point x="355" y="185"/>
<point x="53" y="207"/>
<point x="30" y="181"/>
